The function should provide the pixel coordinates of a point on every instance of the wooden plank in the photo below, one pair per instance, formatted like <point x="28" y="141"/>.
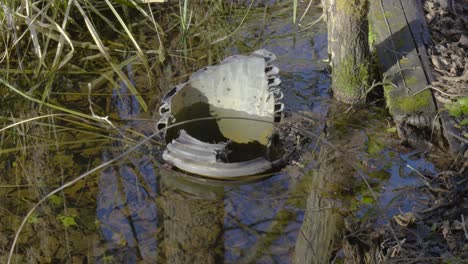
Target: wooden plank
<point x="420" y="33"/>
<point x="399" y="40"/>
<point x="422" y="38"/>
<point x="401" y="37"/>
<point x="398" y="52"/>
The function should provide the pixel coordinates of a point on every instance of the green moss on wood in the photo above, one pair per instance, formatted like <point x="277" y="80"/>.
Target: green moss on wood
<point x="358" y="8"/>
<point x="411" y="81"/>
<point x="351" y="80"/>
<point x="382" y="16"/>
<point x="406" y="104"/>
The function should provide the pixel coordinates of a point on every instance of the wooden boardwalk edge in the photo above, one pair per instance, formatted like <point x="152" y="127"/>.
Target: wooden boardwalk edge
<point x="401" y="35"/>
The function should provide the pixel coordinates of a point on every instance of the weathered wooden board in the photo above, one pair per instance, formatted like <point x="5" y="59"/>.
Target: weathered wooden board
<point x="422" y="38"/>
<point x="401" y="35"/>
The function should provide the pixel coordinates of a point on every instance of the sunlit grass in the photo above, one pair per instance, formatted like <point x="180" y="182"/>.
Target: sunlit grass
<point x="294" y="11"/>
<point x="184" y="17"/>
<point x="40" y="37"/>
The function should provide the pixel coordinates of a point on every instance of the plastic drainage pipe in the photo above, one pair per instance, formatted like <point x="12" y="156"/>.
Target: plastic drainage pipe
<point x="241" y="85"/>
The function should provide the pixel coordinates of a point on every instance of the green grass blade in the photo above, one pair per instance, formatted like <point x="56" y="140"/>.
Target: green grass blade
<point x="107" y="56"/>
<point x="56" y="107"/>
<point x="139" y="52"/>
<point x="294" y="11"/>
<point x="238" y="27"/>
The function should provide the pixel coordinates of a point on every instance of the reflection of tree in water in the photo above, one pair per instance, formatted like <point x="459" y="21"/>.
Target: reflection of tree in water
<point x="127" y="212"/>
<point x="330" y="197"/>
<point x="192" y="223"/>
<point x="262" y="219"/>
<point x="126" y="203"/>
<point x="174" y="228"/>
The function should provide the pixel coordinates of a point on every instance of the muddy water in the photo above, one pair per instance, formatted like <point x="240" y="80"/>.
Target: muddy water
<point x="247" y="139"/>
<point x="138" y="211"/>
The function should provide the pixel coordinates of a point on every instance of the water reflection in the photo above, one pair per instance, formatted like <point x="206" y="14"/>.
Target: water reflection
<point x="127" y="212"/>
<point x="149" y="213"/>
<point x="192" y="221"/>
<point x="126" y="201"/>
<point x="262" y="219"/>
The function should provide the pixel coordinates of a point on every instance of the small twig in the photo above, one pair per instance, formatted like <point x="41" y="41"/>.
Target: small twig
<point x="464" y="227"/>
<point x="376" y="84"/>
<point x="426" y="181"/>
<point x="312" y="23"/>
<point x="437" y="207"/>
<point x="464" y="77"/>
<point x="306" y="10"/>
<point x="101" y="118"/>
<point x="15" y="186"/>
<point x="438" y="90"/>
<point x="417" y="172"/>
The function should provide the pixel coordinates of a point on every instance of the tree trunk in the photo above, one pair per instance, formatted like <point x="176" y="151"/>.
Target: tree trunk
<point x="349" y="49"/>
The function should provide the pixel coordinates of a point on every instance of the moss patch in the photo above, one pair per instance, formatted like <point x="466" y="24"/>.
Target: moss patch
<point x="358" y="8"/>
<point x="407" y="104"/>
<point x="352" y="79"/>
<point x="382" y="16"/>
<point x="458" y="108"/>
<point x="411" y="81"/>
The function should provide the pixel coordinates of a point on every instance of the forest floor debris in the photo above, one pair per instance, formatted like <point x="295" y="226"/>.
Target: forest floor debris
<point x="448" y="23"/>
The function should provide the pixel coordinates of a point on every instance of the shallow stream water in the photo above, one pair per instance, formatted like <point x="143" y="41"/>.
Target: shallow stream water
<point x="139" y="211"/>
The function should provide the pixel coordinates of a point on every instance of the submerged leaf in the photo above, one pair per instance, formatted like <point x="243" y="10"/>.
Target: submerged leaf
<point x="33" y="219"/>
<point x="374" y="145"/>
<point x="55" y="199"/>
<point x="367" y="200"/>
<point x="67" y="221"/>
<point x="63" y="160"/>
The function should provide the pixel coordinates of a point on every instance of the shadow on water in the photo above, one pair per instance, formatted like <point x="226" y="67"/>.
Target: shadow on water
<point x="138" y="211"/>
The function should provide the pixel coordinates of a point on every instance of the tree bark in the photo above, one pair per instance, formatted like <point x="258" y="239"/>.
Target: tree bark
<point x="349" y="48"/>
